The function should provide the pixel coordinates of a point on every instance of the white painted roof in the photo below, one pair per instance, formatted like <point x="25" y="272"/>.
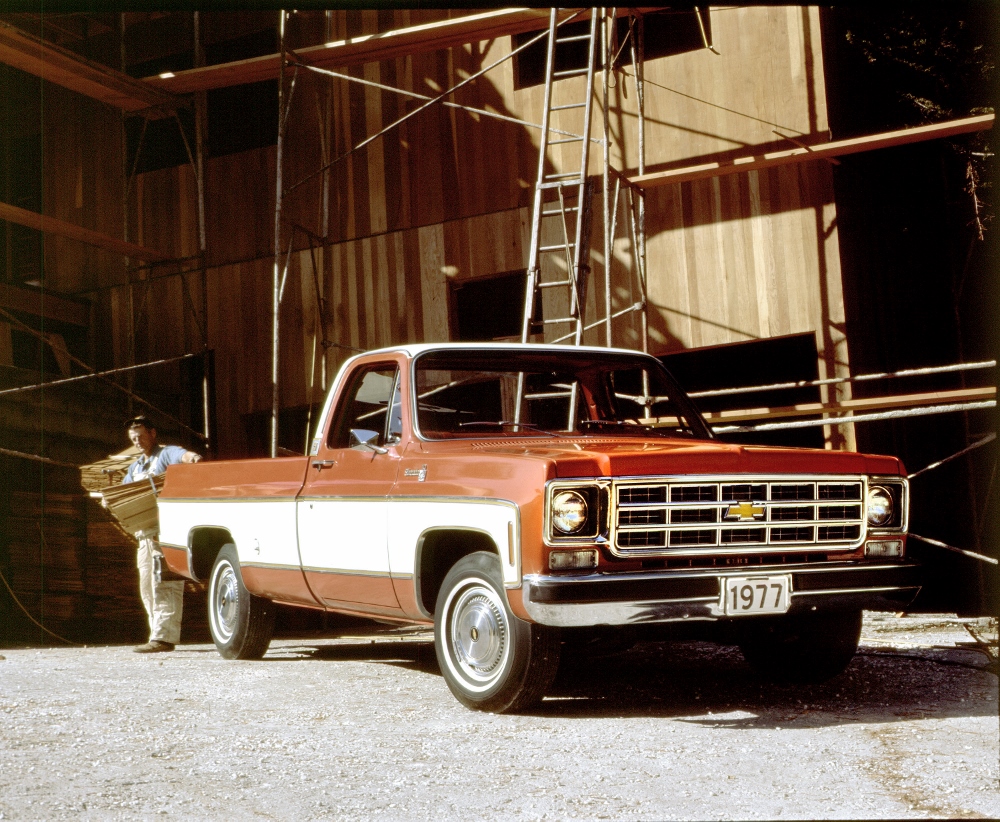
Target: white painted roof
<point x="413" y="349"/>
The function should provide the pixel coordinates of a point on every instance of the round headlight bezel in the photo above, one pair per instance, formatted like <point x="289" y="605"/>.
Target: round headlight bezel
<point x="879" y="500"/>
<point x="569" y="513"/>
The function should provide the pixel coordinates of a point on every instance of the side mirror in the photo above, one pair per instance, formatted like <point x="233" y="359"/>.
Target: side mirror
<point x="365" y="438"/>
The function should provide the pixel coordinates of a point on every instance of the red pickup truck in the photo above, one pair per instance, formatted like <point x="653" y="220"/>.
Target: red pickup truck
<point x="519" y="497"/>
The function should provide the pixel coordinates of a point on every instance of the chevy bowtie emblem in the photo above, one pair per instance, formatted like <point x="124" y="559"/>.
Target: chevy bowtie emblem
<point x="745" y="512"/>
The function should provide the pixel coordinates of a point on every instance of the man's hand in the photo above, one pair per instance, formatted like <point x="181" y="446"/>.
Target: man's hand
<point x="190" y="457"/>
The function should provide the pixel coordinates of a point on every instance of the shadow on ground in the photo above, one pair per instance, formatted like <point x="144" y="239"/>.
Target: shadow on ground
<point x="710" y="684"/>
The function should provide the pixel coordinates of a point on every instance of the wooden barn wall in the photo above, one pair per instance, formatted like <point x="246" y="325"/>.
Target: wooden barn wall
<point x="446" y="197"/>
<point x="766" y="80"/>
<point x="376" y="291"/>
<point x="747" y="257"/>
<point x="82" y="184"/>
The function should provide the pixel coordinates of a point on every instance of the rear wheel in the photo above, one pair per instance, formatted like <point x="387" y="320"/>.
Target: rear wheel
<point x="241" y="624"/>
<point x="810" y="647"/>
<point x="491" y="660"/>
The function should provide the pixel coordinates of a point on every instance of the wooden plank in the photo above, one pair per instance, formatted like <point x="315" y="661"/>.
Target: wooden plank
<point x="50" y="225"/>
<point x="837" y="148"/>
<point x="868" y="404"/>
<point x="366" y="48"/>
<point x="36" y="56"/>
<point x="433" y="289"/>
<point x="44" y="304"/>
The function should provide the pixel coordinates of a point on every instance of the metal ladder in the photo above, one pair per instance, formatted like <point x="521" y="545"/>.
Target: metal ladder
<point x="562" y="199"/>
<point x="561" y="205"/>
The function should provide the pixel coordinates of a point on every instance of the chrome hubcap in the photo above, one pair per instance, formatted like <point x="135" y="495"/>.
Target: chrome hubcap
<point x="479" y="633"/>
<point x="225" y="603"/>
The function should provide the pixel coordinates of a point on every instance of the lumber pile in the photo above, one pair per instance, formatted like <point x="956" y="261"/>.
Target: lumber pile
<point x="103" y="474"/>
<point x="71" y="561"/>
<point x="134" y="505"/>
<point x="46" y="551"/>
<point x="112" y="587"/>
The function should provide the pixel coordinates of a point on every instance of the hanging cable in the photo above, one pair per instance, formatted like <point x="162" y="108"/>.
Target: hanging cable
<point x="24" y="610"/>
<point x="82" y="364"/>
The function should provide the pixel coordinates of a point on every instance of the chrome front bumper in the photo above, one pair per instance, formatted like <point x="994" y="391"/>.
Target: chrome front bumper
<point x="674" y="596"/>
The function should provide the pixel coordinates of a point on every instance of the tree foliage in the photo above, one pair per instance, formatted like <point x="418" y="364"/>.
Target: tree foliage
<point x="935" y="63"/>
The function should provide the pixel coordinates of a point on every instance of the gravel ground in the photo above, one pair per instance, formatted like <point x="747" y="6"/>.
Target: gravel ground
<point x="363" y="726"/>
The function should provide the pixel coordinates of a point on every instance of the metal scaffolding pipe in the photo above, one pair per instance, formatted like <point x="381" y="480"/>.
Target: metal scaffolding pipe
<point x="640" y="72"/>
<point x="945" y="545"/>
<point x="978" y="444"/>
<point x="10" y="317"/>
<point x="608" y="222"/>
<point x="910" y="372"/>
<point x="417" y="95"/>
<point x="80" y="377"/>
<point x="884" y="415"/>
<point x="417" y="110"/>
<point x="276" y="273"/>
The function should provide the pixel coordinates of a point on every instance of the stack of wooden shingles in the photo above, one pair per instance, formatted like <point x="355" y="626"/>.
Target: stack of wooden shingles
<point x="115" y="609"/>
<point x="47" y="559"/>
<point x="114" y="606"/>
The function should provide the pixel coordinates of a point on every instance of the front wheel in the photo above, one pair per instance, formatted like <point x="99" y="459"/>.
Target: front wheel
<point x="811" y="647"/>
<point x="491" y="660"/>
<point x="241" y="624"/>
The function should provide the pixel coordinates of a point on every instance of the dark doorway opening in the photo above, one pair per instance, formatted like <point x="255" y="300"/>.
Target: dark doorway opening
<point x="776" y="360"/>
<point x="490" y="308"/>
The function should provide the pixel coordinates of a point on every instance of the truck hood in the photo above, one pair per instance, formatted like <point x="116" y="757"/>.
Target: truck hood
<point x="592" y="457"/>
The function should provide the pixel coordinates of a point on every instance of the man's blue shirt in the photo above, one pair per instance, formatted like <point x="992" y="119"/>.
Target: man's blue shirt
<point x="156" y="463"/>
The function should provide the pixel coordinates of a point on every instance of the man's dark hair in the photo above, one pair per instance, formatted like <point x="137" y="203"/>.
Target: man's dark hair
<point x="142" y="420"/>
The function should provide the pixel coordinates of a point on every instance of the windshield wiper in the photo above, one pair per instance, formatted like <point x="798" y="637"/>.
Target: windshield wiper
<point x="505" y="424"/>
<point x="624" y="427"/>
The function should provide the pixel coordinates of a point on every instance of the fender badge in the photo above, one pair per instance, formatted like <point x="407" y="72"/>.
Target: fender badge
<point x="745" y="512"/>
<point x="419" y="473"/>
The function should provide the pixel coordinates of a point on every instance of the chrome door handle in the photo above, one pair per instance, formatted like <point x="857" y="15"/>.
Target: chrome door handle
<point x="319" y="465"/>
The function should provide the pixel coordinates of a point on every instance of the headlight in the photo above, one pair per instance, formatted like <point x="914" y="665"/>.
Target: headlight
<point x="879" y="506"/>
<point x="569" y="512"/>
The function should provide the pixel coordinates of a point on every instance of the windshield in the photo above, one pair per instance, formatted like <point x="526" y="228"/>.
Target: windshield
<point x="508" y="393"/>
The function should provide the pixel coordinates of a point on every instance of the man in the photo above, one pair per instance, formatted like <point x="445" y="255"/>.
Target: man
<point x="162" y="599"/>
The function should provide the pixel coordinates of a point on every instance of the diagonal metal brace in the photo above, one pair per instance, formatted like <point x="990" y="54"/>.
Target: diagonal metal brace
<point x="987" y="439"/>
<point x="939" y="544"/>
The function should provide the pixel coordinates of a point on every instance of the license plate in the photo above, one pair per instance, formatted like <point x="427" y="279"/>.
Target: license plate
<point x="747" y="596"/>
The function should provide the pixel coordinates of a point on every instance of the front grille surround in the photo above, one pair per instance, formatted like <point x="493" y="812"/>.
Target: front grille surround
<point x="731" y="515"/>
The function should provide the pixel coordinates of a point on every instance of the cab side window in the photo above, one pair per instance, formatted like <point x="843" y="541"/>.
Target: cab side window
<point x="368" y="406"/>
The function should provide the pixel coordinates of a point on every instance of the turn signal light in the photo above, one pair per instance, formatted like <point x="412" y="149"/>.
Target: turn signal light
<point x="568" y="560"/>
<point x="884" y="548"/>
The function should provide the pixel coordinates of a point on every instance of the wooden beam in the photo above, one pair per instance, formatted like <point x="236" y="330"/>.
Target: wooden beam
<point x="51" y="225"/>
<point x="870" y="142"/>
<point x="866" y="404"/>
<point x="58" y="65"/>
<point x="366" y="48"/>
<point x="44" y="304"/>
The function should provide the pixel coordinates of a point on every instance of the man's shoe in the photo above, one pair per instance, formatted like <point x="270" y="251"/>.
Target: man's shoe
<point x="154" y="646"/>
